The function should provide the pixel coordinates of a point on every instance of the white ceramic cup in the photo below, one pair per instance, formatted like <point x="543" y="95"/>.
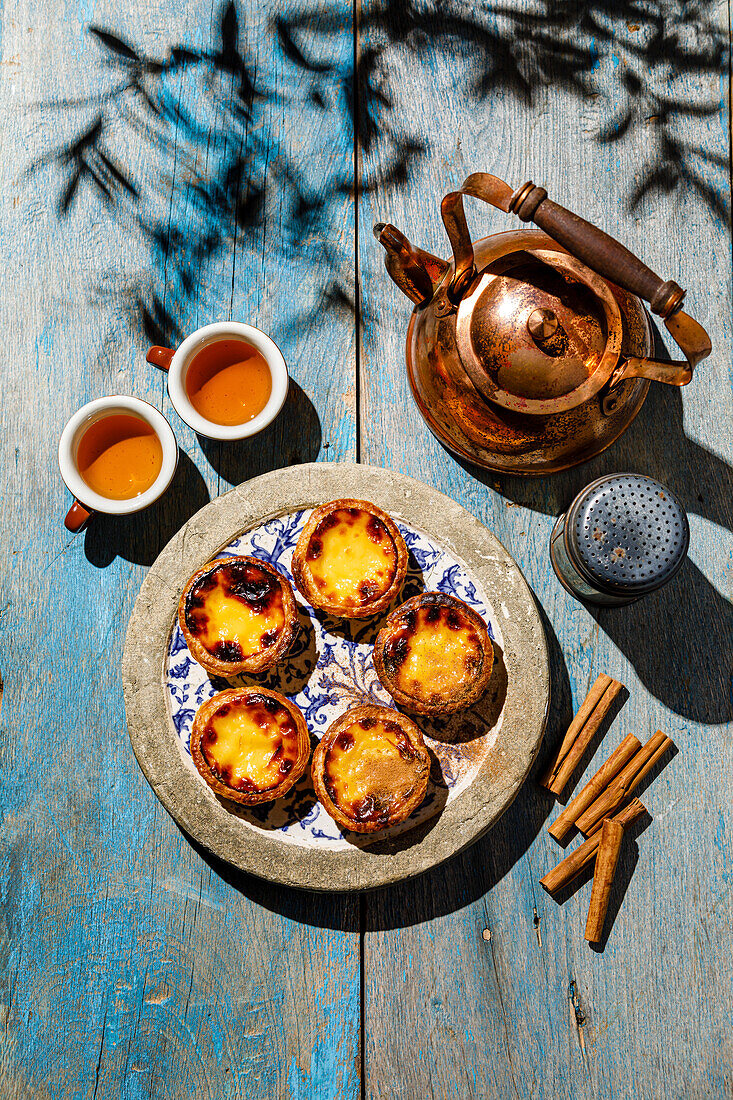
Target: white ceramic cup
<point x="176" y="364"/>
<point x="87" y="500"/>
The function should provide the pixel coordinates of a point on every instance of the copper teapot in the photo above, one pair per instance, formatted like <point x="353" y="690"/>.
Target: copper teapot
<point x="531" y="350"/>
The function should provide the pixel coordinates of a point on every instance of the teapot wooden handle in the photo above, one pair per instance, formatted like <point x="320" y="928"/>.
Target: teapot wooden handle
<point x="591" y="246"/>
<point x="596" y="249"/>
<point x="587" y="242"/>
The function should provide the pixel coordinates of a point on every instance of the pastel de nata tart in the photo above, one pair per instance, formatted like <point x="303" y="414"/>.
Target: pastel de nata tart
<point x="237" y="615"/>
<point x="434" y="654"/>
<point x="350" y="559"/>
<point x="371" y="768"/>
<point x="251" y="745"/>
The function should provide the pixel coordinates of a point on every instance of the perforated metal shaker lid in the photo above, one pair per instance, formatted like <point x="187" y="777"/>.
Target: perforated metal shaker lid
<point x="626" y="534"/>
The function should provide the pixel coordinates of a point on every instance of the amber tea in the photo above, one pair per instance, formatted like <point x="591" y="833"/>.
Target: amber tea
<point x="229" y="382"/>
<point x="119" y="456"/>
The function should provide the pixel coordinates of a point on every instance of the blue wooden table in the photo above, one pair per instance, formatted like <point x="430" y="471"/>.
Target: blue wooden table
<point x="167" y="164"/>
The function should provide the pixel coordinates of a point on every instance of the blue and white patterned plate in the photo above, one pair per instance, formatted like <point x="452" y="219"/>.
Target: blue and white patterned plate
<point x="329" y="669"/>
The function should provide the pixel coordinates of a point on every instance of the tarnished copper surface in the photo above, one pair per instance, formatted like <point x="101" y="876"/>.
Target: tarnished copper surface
<point x="527" y="357"/>
<point x="510" y="366"/>
<point x="499" y="438"/>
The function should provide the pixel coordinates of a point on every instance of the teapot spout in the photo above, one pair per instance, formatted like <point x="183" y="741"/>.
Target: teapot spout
<point x="416" y="273"/>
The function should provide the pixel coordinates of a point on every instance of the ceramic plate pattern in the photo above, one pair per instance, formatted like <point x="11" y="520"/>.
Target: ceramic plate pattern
<point x="330" y="668"/>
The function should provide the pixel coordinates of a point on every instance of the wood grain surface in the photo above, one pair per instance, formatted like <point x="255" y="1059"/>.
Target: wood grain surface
<point x="133" y="965"/>
<point x="502" y="995"/>
<point x="171" y="164"/>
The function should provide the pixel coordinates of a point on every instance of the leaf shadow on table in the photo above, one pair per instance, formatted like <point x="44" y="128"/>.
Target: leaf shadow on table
<point x="294" y="437"/>
<point x="221" y="149"/>
<point x="140" y="537"/>
<point x="214" y="169"/>
<point x="680" y="638"/>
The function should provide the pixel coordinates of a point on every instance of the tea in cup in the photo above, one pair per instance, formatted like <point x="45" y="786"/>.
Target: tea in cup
<point x="117" y="455"/>
<point x="227" y="381"/>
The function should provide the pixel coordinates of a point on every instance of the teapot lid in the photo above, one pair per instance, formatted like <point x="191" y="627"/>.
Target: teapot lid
<point x="538" y="331"/>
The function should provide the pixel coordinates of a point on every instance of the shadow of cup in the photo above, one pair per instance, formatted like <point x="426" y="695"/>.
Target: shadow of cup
<point x="140" y="537"/>
<point x="294" y="437"/>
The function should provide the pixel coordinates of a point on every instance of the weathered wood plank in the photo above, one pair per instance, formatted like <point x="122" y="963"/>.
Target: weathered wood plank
<point x="616" y="109"/>
<point x="203" y="189"/>
<point x="499" y="1021"/>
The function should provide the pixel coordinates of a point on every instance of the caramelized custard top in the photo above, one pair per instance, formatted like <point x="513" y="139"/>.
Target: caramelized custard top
<point x="433" y="652"/>
<point x="371" y="769"/>
<point x="251" y="743"/>
<point x="235" y="610"/>
<point x="351" y="557"/>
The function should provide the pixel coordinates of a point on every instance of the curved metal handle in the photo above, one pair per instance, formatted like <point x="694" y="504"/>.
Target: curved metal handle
<point x="604" y="255"/>
<point x="690" y="336"/>
<point x="454" y="220"/>
<point x="482" y="186"/>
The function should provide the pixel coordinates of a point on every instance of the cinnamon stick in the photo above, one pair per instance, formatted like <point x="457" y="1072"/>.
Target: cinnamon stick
<point x="560" y="876"/>
<point x="625" y="782"/>
<point x="612" y="833"/>
<point x="581" y="731"/>
<point x="595" y="787"/>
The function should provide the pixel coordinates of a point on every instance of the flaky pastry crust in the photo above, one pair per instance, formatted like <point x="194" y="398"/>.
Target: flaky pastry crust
<point x="299" y="750"/>
<point x="259" y="661"/>
<point x="303" y="577"/>
<point x="372" y="814"/>
<point x="392" y="646"/>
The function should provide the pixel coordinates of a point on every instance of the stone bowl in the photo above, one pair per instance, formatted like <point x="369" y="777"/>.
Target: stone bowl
<point x="480" y="756"/>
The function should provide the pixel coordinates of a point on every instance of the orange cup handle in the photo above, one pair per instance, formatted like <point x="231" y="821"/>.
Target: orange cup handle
<point x="77" y="517"/>
<point x="160" y="357"/>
